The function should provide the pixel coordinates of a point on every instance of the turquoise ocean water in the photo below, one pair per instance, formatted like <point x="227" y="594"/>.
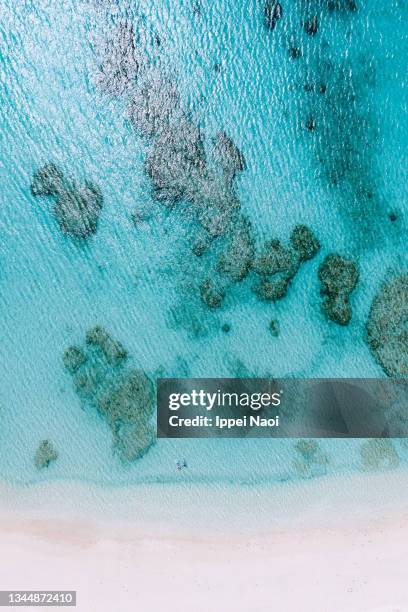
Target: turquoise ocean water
<point x="235" y="75"/>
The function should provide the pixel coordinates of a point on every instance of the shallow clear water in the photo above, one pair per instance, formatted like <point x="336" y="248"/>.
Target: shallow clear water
<point x="138" y="281"/>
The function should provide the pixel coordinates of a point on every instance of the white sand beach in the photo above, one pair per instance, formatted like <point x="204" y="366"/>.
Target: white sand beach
<point x="340" y="547"/>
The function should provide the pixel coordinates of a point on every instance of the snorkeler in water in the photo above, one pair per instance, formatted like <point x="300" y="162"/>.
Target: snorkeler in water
<point x="181" y="464"/>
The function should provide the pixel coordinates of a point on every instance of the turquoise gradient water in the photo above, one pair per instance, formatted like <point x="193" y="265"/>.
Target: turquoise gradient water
<point x="136" y="280"/>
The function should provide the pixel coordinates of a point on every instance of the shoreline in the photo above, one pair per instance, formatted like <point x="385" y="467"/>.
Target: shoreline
<point x="343" y="553"/>
<point x="327" y="501"/>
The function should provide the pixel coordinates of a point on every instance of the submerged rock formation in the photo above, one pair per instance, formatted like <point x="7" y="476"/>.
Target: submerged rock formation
<point x="216" y="205"/>
<point x="295" y="53"/>
<point x="379" y="453"/>
<point x="272" y="13"/>
<point x="154" y="104"/>
<point x="113" y="350"/>
<point x="236" y="260"/>
<point x="73" y="358"/>
<point x="179" y="171"/>
<point x="193" y="177"/>
<point x="338" y="277"/>
<point x="45" y="454"/>
<point x="304" y="242"/>
<point x="123" y="396"/>
<point x="121" y="63"/>
<point x="272" y="290"/>
<point x="311" y="25"/>
<point x="175" y="162"/>
<point x="277" y="264"/>
<point x="276" y="259"/>
<point x="77" y="207"/>
<point x="227" y="156"/>
<point x="48" y="181"/>
<point x="387" y="327"/>
<point x="310" y="459"/>
<point x="342" y="5"/>
<point x="211" y="294"/>
<point x="198" y="179"/>
<point x="77" y="210"/>
<point x="274" y="327"/>
<point x="201" y="245"/>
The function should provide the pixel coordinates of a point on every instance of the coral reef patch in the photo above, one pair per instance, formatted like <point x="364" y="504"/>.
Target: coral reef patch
<point x="274" y="328"/>
<point x="45" y="454"/>
<point x="121" y="62"/>
<point x="187" y="174"/>
<point x="122" y="395"/>
<point x="311" y="25"/>
<point x="272" y="13"/>
<point x="387" y="327"/>
<point x="236" y="259"/>
<point x="195" y="177"/>
<point x="310" y="460"/>
<point x="338" y="277"/>
<point x="304" y="242"/>
<point x="77" y="207"/>
<point x="378" y="453"/>
<point x="277" y="264"/>
<point x="211" y="295"/>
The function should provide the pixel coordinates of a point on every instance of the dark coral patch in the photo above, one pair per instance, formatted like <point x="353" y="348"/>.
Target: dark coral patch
<point x="387" y="327"/>
<point x="77" y="207"/>
<point x="338" y="277"/>
<point x="122" y="396"/>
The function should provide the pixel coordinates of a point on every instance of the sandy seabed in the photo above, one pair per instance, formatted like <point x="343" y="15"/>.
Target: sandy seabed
<point x="330" y="545"/>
